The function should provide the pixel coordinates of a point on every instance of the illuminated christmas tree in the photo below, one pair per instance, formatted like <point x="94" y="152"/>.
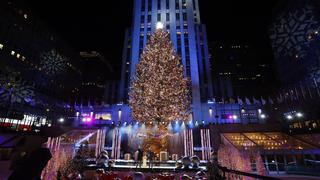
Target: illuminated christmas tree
<point x="159" y="90"/>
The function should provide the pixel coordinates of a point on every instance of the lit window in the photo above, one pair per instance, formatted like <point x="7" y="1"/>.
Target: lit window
<point x="12" y="53"/>
<point x="1" y="46"/>
<point x="18" y="55"/>
<point x="25" y="16"/>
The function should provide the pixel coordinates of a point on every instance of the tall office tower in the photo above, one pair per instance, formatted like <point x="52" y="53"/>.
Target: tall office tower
<point x="238" y="70"/>
<point x="182" y="19"/>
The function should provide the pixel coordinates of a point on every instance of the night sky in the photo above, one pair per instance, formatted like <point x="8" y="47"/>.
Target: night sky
<point x="96" y="25"/>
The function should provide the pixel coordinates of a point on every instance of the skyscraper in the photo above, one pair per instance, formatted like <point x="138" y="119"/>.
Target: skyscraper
<point x="182" y="19"/>
<point x="239" y="71"/>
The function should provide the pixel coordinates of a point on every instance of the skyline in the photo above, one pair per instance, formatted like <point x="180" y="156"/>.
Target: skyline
<point x="89" y="26"/>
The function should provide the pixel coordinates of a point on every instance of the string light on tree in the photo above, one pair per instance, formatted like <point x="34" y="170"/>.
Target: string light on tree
<point x="159" y="91"/>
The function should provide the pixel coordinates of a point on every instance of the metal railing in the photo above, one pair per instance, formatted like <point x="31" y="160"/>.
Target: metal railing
<point x="235" y="174"/>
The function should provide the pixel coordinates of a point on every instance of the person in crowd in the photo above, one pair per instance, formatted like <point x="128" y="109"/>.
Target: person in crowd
<point x="32" y="165"/>
<point x="139" y="158"/>
<point x="103" y="160"/>
<point x="150" y="157"/>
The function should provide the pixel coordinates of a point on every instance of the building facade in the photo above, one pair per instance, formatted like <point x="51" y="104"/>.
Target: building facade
<point x="39" y="73"/>
<point x="97" y="83"/>
<point x="182" y="19"/>
<point x="238" y="71"/>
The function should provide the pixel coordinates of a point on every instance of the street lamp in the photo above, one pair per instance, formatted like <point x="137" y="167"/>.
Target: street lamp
<point x="262" y="116"/>
<point x="61" y="120"/>
<point x="299" y="115"/>
<point x="289" y="117"/>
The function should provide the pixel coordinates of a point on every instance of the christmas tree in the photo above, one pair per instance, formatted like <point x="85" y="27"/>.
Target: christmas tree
<point x="159" y="90"/>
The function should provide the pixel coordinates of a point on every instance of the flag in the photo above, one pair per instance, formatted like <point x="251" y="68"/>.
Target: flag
<point x="248" y="101"/>
<point x="279" y="99"/>
<point x="256" y="101"/>
<point x="270" y="100"/>
<point x="316" y="85"/>
<point x="302" y="91"/>
<point x="231" y="100"/>
<point x="310" y="93"/>
<point x="214" y="100"/>
<point x="286" y="95"/>
<point x="263" y="101"/>
<point x="292" y="97"/>
<point x="296" y="91"/>
<point x="89" y="103"/>
<point x="240" y="101"/>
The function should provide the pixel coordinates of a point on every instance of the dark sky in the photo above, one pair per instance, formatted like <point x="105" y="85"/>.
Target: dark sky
<point x="96" y="25"/>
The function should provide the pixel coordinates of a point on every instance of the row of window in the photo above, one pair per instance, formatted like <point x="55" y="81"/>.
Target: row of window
<point x="184" y="17"/>
<point x="178" y="27"/>
<point x="167" y="4"/>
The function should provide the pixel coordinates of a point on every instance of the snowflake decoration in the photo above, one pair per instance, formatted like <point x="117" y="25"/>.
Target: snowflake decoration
<point x="53" y="63"/>
<point x="13" y="89"/>
<point x="291" y="31"/>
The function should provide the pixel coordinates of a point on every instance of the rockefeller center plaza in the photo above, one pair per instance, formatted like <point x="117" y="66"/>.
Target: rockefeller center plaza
<point x="160" y="90"/>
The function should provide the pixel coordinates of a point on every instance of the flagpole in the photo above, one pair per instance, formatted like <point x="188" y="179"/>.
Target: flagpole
<point x="302" y="90"/>
<point x="316" y="84"/>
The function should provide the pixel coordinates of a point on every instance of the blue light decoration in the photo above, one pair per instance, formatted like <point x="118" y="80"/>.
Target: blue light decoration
<point x="176" y="127"/>
<point x="14" y="89"/>
<point x="190" y="124"/>
<point x="292" y="28"/>
<point x="136" y="126"/>
<point x="295" y="41"/>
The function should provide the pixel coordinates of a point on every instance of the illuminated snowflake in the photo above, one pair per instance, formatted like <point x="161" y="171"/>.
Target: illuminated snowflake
<point x="53" y="63"/>
<point x="291" y="31"/>
<point x="13" y="89"/>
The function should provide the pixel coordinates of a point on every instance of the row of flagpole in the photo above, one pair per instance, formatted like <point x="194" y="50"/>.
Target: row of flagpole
<point x="300" y="91"/>
<point x="295" y="93"/>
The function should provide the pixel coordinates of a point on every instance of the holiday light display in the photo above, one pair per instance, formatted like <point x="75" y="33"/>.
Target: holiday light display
<point x="159" y="91"/>
<point x="53" y="63"/>
<point x="291" y="31"/>
<point x="15" y="90"/>
<point x="265" y="141"/>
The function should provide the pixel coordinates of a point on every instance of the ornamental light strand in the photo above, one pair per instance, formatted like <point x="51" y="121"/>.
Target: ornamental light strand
<point x="159" y="91"/>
